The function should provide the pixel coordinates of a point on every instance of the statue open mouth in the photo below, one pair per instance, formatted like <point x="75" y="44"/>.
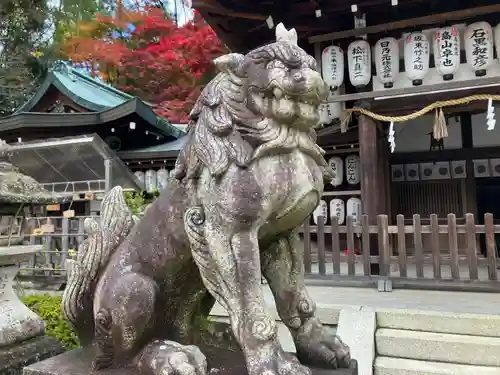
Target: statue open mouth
<point x="310" y="97"/>
<point x="296" y="108"/>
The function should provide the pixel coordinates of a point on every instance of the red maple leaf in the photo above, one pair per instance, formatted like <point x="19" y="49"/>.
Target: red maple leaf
<point x="162" y="63"/>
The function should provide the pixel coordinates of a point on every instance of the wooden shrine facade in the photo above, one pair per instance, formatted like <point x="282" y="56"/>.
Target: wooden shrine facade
<point x="458" y="173"/>
<point x="70" y="104"/>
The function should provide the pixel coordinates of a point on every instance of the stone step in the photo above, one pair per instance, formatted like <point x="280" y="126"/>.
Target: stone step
<point x="440" y="322"/>
<point x="400" y="366"/>
<point x="438" y="347"/>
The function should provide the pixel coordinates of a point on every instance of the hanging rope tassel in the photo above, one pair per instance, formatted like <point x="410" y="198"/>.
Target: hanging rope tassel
<point x="440" y="129"/>
<point x="423" y="111"/>
<point x="346" y="120"/>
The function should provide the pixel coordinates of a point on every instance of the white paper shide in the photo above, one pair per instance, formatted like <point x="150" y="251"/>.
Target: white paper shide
<point x="352" y="169"/>
<point x="359" y="63"/>
<point x="387" y="61"/>
<point x="332" y="65"/>
<point x="417" y="55"/>
<point x="447" y="52"/>
<point x="478" y="39"/>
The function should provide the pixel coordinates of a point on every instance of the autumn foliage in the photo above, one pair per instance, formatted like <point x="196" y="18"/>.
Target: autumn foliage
<point x="144" y="53"/>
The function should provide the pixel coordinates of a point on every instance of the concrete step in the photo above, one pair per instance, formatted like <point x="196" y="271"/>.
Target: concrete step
<point x="438" y="347"/>
<point x="399" y="366"/>
<point x="440" y="322"/>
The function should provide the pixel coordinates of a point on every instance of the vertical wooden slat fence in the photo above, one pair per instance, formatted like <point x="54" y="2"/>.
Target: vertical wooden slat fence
<point x="68" y="234"/>
<point x="422" y="252"/>
<point x="443" y="254"/>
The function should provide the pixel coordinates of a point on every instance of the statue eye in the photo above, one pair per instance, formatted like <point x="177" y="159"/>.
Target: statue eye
<point x="277" y="64"/>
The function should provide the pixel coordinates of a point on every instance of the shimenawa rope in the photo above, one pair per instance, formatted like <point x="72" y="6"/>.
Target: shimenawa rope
<point x="439" y="130"/>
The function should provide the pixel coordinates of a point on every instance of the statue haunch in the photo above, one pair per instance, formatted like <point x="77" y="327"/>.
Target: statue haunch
<point x="249" y="175"/>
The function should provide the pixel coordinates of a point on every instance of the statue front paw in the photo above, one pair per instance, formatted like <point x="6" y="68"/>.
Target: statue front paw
<point x="318" y="348"/>
<point x="164" y="357"/>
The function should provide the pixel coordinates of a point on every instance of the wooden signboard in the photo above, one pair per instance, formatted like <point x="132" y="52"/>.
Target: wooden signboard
<point x="69" y="213"/>
<point x="48" y="228"/>
<point x="89" y="196"/>
<point x="53" y="207"/>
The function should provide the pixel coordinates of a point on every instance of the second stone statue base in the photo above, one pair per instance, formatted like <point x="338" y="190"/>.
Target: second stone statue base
<point x="220" y="362"/>
<point x="15" y="357"/>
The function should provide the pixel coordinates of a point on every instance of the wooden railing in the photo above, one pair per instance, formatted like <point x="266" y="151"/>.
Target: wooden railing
<point x="442" y="253"/>
<point x="417" y="253"/>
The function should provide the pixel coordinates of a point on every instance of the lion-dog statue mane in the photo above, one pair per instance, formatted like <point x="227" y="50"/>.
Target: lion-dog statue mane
<point x="248" y="176"/>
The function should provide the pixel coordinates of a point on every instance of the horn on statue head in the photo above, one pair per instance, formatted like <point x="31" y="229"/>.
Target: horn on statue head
<point x="284" y="35"/>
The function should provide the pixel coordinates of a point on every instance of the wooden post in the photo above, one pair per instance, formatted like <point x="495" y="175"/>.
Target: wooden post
<point x="470" y="180"/>
<point x="372" y="187"/>
<point x="64" y="242"/>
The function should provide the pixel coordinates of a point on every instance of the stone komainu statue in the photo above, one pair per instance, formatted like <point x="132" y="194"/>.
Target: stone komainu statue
<point x="247" y="178"/>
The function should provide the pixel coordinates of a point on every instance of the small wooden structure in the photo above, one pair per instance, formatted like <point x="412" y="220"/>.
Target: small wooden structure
<point x="70" y="103"/>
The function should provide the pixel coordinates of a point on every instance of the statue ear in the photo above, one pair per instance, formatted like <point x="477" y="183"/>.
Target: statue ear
<point x="292" y="36"/>
<point x="281" y="32"/>
<point x="284" y="35"/>
<point x="229" y="63"/>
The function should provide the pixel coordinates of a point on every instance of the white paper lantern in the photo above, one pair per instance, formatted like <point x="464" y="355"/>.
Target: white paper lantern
<point x="161" y="179"/>
<point x="359" y="63"/>
<point x="387" y="61"/>
<point x="330" y="111"/>
<point x="353" y="169"/>
<point x="321" y="210"/>
<point x="337" y="164"/>
<point x="337" y="209"/>
<point x="417" y="53"/>
<point x="478" y="39"/>
<point x="496" y="37"/>
<point x="354" y="209"/>
<point x="332" y="65"/>
<point x="150" y="180"/>
<point x="447" y="52"/>
<point x="140" y="176"/>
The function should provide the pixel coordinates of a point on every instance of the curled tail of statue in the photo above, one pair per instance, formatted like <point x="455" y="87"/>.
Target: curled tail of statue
<point x="104" y="237"/>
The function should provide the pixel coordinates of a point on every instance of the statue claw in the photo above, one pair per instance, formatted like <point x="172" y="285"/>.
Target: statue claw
<point x="318" y="348"/>
<point x="164" y="357"/>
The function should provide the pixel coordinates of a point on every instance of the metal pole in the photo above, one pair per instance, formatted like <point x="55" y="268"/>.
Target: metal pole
<point x="107" y="175"/>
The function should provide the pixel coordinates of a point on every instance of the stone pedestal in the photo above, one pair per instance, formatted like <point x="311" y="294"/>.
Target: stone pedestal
<point x="220" y="362"/>
<point x="22" y="339"/>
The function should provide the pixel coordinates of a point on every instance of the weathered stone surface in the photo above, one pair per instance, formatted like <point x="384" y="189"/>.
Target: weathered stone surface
<point x="220" y="362"/>
<point x="357" y="328"/>
<point x="248" y="176"/>
<point x="15" y="357"/>
<point x="17" y="322"/>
